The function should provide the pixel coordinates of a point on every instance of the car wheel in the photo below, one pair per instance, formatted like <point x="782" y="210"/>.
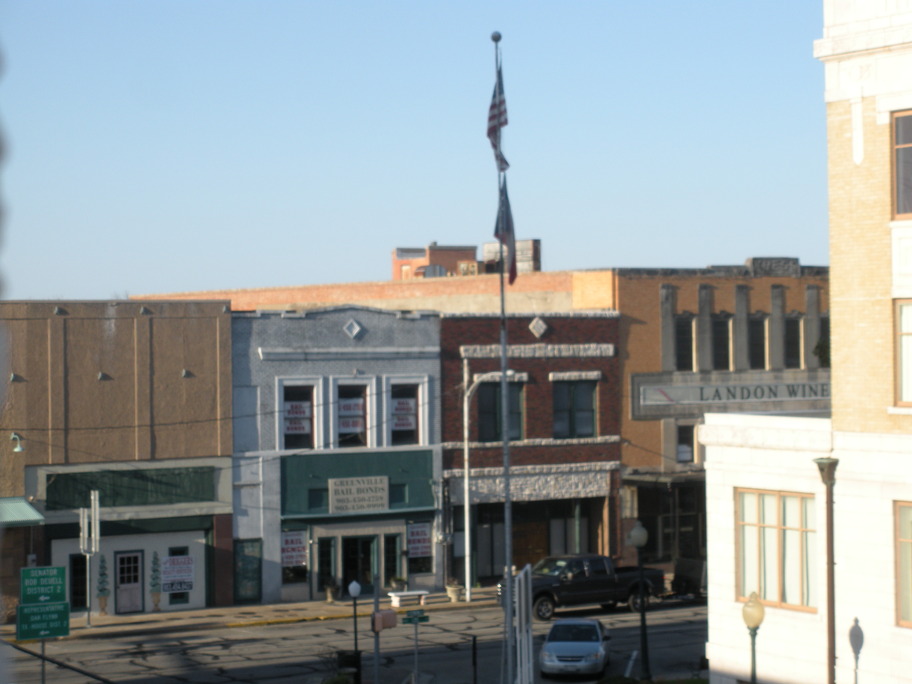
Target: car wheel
<point x="633" y="601"/>
<point x="544" y="675"/>
<point x="543" y="608"/>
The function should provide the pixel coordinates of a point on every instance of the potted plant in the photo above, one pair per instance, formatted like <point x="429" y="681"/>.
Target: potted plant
<point x="155" y="581"/>
<point x="103" y="591"/>
<point x="331" y="587"/>
<point x="453" y="589"/>
<point x="398" y="583"/>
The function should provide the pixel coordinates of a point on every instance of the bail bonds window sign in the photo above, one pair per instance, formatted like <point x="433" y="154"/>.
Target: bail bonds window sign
<point x="298" y="417"/>
<point x="177" y="574"/>
<point x="419" y="540"/>
<point x="404" y="414"/>
<point x="351" y="415"/>
<point x="355" y="494"/>
<point x="294" y="549"/>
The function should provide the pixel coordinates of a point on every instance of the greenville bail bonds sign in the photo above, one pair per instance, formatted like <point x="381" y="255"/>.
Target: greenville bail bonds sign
<point x="355" y="494"/>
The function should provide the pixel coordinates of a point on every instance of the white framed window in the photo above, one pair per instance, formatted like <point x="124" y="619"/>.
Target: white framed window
<point x="903" y="318"/>
<point x="299" y="413"/>
<point x="353" y="413"/>
<point x="776" y="547"/>
<point x="406" y="410"/>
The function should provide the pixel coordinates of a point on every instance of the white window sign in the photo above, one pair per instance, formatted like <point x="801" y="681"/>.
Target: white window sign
<point x="419" y="540"/>
<point x="297" y="417"/>
<point x="177" y="574"/>
<point x="294" y="549"/>
<point x="351" y="407"/>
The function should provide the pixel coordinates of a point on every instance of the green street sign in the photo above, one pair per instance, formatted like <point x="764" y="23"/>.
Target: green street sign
<point x="415" y="619"/>
<point x="44" y="621"/>
<point x="42" y="585"/>
<point x="414" y="613"/>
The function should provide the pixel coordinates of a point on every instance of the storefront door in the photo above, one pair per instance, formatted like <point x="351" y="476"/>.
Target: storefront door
<point x="128" y="592"/>
<point x="359" y="562"/>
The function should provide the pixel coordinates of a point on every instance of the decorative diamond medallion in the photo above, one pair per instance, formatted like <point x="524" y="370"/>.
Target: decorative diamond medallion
<point x="352" y="328"/>
<point x="538" y="327"/>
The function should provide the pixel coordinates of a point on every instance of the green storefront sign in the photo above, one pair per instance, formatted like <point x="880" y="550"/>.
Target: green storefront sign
<point x="42" y="621"/>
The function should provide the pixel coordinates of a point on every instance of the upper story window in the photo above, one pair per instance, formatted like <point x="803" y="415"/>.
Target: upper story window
<point x="776" y="547"/>
<point x="904" y="563"/>
<point x="403" y="414"/>
<point x="902" y="165"/>
<point x="822" y="347"/>
<point x="721" y="341"/>
<point x="490" y="428"/>
<point x="684" y="342"/>
<point x="351" y="409"/>
<point x="756" y="342"/>
<point x="903" y="324"/>
<point x="793" y="342"/>
<point x="574" y="409"/>
<point x="297" y="414"/>
<point x="685" y="447"/>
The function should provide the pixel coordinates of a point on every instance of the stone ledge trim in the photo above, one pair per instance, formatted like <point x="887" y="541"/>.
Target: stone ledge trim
<point x="538" y="351"/>
<point x="580" y="441"/>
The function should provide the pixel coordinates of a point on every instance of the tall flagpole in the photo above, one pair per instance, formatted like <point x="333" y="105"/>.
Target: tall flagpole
<point x="505" y="416"/>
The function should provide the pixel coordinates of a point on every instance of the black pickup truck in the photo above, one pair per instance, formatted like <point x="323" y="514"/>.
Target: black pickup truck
<point x="559" y="581"/>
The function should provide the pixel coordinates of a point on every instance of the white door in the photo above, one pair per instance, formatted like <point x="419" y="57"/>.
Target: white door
<point x="128" y="587"/>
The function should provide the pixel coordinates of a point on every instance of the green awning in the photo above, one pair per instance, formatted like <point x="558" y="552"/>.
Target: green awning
<point x="17" y="512"/>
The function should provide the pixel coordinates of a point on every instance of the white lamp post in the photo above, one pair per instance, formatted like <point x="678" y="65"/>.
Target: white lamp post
<point x="638" y="537"/>
<point x="466" y="504"/>
<point x="753" y="613"/>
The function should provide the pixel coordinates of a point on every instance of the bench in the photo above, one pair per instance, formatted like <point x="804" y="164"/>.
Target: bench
<point x="397" y="596"/>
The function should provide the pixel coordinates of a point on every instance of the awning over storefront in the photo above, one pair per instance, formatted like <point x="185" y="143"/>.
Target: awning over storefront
<point x="17" y="512"/>
<point x="645" y="478"/>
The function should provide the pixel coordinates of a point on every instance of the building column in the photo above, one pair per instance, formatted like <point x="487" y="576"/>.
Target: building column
<point x="776" y="328"/>
<point x="811" y="332"/>
<point x="740" y="332"/>
<point x="668" y="304"/>
<point x="704" y="339"/>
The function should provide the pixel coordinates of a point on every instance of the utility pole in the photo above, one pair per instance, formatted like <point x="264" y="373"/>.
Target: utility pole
<point x="88" y="544"/>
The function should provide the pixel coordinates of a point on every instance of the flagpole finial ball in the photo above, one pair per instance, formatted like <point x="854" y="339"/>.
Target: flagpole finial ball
<point x="495" y="36"/>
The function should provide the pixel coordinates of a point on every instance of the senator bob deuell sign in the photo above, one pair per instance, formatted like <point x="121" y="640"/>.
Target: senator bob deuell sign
<point x="662" y="395"/>
<point x="357" y="494"/>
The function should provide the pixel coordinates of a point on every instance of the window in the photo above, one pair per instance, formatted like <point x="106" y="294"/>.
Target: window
<point x="904" y="563"/>
<point x="756" y="342"/>
<point x="352" y="411"/>
<point x="685" y="450"/>
<point x="904" y="352"/>
<point x="793" y="342"/>
<point x="776" y="541"/>
<point x="489" y="411"/>
<point x="574" y="409"/>
<point x="822" y="348"/>
<point x="684" y="343"/>
<point x="902" y="165"/>
<point x="297" y="410"/>
<point x="721" y="342"/>
<point x="403" y="415"/>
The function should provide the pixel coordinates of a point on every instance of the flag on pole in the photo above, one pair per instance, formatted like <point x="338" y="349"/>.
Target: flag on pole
<point x="503" y="229"/>
<point x="497" y="119"/>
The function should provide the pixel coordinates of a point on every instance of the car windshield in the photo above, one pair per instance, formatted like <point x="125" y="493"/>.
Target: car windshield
<point x="573" y="633"/>
<point x="550" y="566"/>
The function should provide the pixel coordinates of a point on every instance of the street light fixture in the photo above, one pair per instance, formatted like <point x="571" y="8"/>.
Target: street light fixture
<point x="470" y="389"/>
<point x="753" y="613"/>
<point x="638" y="537"/>
<point x="354" y="590"/>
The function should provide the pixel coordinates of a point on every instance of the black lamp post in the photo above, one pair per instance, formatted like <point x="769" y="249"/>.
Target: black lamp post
<point x="638" y="537"/>
<point x="753" y="613"/>
<point x="827" y="468"/>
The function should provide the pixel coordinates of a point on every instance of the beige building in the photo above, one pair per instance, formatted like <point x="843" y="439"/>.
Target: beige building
<point x="766" y="501"/>
<point x="133" y="400"/>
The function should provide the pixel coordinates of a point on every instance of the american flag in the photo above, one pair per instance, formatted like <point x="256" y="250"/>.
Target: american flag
<point x="503" y="229"/>
<point x="497" y="119"/>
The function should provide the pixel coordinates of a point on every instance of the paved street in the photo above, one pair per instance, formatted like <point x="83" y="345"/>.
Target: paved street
<point x="280" y="647"/>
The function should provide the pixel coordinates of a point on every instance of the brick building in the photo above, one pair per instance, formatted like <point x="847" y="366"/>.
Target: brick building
<point x="564" y="442"/>
<point x="129" y="399"/>
<point x="767" y="501"/>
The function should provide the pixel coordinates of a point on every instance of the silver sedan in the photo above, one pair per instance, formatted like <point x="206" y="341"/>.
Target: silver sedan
<point x="574" y="646"/>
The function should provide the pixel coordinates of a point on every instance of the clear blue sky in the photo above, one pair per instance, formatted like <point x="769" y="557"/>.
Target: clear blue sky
<point x="159" y="146"/>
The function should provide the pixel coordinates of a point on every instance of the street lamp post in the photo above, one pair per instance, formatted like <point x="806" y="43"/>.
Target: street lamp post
<point x="638" y="537"/>
<point x="752" y="613"/>
<point x="354" y="590"/>
<point x="827" y="468"/>
<point x="470" y="389"/>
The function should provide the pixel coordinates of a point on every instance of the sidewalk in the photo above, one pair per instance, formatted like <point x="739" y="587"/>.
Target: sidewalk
<point x="248" y="615"/>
